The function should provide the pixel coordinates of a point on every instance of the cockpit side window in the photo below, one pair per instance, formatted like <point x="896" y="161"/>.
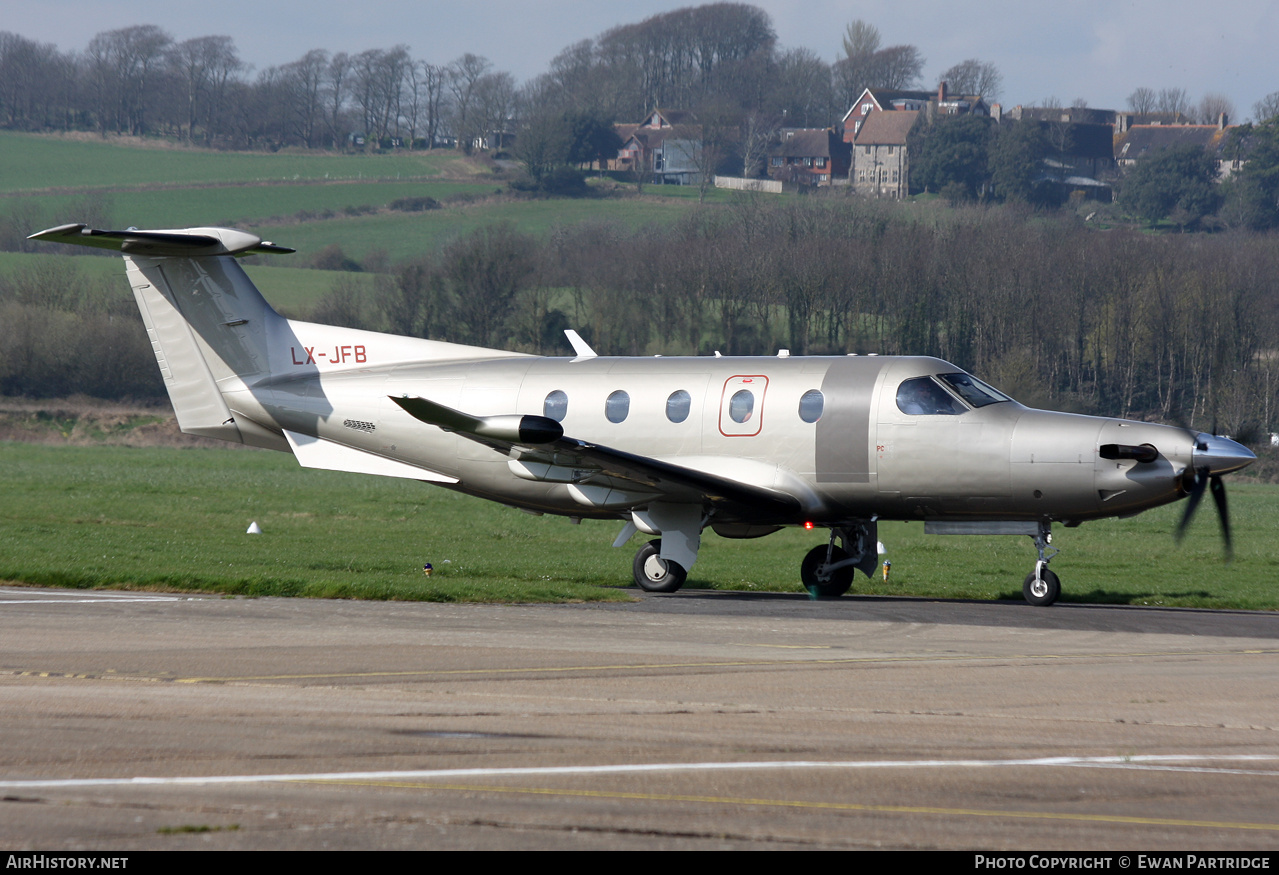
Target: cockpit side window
<point x="973" y="390"/>
<point x="921" y="396"/>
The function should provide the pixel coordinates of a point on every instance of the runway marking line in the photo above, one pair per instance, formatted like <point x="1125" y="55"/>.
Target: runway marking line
<point x="759" y="663"/>
<point x="419" y="779"/>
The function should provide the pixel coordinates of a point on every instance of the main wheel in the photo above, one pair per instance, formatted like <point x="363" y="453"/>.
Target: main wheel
<point x="1043" y="591"/>
<point x="655" y="574"/>
<point x="821" y="582"/>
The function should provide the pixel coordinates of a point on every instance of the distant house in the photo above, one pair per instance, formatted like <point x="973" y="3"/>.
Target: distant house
<point x="1141" y="141"/>
<point x="810" y="156"/>
<point x="881" y="100"/>
<point x="1078" y="115"/>
<point x="876" y="125"/>
<point x="665" y="147"/>
<point x="939" y="102"/>
<point x="881" y="165"/>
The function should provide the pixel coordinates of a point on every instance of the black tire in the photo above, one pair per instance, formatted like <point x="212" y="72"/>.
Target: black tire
<point x="821" y="583"/>
<point x="655" y="574"/>
<point x="1043" y="592"/>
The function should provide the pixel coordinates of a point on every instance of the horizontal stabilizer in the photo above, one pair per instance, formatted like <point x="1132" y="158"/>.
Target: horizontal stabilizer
<point x="188" y="243"/>
<point x="314" y="452"/>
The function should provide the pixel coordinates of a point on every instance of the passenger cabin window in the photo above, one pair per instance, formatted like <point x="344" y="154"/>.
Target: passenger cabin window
<point x="922" y="396"/>
<point x="810" y="405"/>
<point x="555" y="406"/>
<point x="741" y="405"/>
<point x="678" y="405"/>
<point x="617" y="406"/>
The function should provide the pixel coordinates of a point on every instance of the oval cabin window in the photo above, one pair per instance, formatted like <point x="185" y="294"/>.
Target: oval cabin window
<point x="810" y="405"/>
<point x="617" y="406"/>
<point x="555" y="406"/>
<point x="678" y="405"/>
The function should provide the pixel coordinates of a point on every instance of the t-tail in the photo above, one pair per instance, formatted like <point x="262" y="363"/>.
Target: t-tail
<point x="216" y="339"/>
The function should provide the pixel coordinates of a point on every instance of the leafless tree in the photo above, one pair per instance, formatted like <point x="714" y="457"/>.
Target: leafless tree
<point x="463" y="76"/>
<point x="206" y="65"/>
<point x="306" y="79"/>
<point x="336" y="94"/>
<point x="1142" y="101"/>
<point x="123" y="64"/>
<point x="1213" y="106"/>
<point x="1173" y="101"/>
<point x="802" y="95"/>
<point x="494" y="107"/>
<point x="975" y="77"/>
<point x="1267" y="107"/>
<point x="759" y="132"/>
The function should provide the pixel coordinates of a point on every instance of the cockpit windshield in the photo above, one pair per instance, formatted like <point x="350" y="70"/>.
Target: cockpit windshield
<point x="973" y="390"/>
<point x="921" y="396"/>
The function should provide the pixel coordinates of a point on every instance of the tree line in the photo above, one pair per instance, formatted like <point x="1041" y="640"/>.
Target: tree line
<point x="1175" y="327"/>
<point x="718" y="57"/>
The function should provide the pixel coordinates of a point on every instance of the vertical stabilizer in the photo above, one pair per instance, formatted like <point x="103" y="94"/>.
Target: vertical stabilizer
<point x="208" y="324"/>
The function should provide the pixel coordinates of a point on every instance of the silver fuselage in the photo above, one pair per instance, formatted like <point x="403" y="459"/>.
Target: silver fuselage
<point x="863" y="458"/>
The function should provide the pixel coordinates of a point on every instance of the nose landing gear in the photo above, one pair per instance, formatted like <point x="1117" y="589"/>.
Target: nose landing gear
<point x="1042" y="587"/>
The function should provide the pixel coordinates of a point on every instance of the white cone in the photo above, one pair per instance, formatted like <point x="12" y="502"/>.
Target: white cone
<point x="254" y="529"/>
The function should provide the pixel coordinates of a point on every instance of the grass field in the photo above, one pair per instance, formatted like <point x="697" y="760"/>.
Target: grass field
<point x="50" y="180"/>
<point x="289" y="289"/>
<point x="34" y="162"/>
<point x="174" y="519"/>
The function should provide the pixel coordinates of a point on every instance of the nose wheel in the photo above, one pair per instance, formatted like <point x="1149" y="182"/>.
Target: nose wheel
<point x="1042" y="587"/>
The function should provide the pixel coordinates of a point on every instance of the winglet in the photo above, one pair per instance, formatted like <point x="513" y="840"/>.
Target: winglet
<point x="580" y="347"/>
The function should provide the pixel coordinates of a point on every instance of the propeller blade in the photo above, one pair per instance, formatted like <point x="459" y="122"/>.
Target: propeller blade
<point x="1196" y="495"/>
<point x="1219" y="496"/>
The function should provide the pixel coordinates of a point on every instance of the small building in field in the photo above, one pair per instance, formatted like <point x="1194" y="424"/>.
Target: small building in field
<point x="810" y="156"/>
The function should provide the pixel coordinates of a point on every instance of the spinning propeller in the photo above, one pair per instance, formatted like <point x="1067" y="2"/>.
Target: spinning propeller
<point x="1211" y="457"/>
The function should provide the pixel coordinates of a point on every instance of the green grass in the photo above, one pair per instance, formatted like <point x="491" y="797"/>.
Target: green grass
<point x="33" y="162"/>
<point x="291" y="290"/>
<point x="247" y="206"/>
<point x="174" y="519"/>
<point x="405" y="235"/>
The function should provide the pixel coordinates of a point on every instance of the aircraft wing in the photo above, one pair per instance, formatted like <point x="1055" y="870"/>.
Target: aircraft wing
<point x="539" y="450"/>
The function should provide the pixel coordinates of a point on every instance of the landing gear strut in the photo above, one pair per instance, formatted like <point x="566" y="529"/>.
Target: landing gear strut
<point x="1042" y="587"/>
<point x="827" y="572"/>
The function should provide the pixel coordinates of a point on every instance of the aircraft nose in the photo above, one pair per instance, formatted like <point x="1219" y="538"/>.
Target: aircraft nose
<point x="1220" y="455"/>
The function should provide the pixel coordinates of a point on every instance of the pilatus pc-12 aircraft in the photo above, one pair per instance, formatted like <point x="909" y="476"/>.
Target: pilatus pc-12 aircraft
<point x="669" y="445"/>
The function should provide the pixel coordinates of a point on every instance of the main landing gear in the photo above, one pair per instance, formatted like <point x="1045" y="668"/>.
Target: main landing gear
<point x="655" y="574"/>
<point x="827" y="571"/>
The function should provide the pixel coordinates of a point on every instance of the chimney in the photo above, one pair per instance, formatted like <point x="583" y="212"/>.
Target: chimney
<point x="1222" y="120"/>
<point x="941" y="92"/>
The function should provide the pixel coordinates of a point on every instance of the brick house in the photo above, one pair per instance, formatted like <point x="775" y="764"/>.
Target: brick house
<point x="810" y="156"/>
